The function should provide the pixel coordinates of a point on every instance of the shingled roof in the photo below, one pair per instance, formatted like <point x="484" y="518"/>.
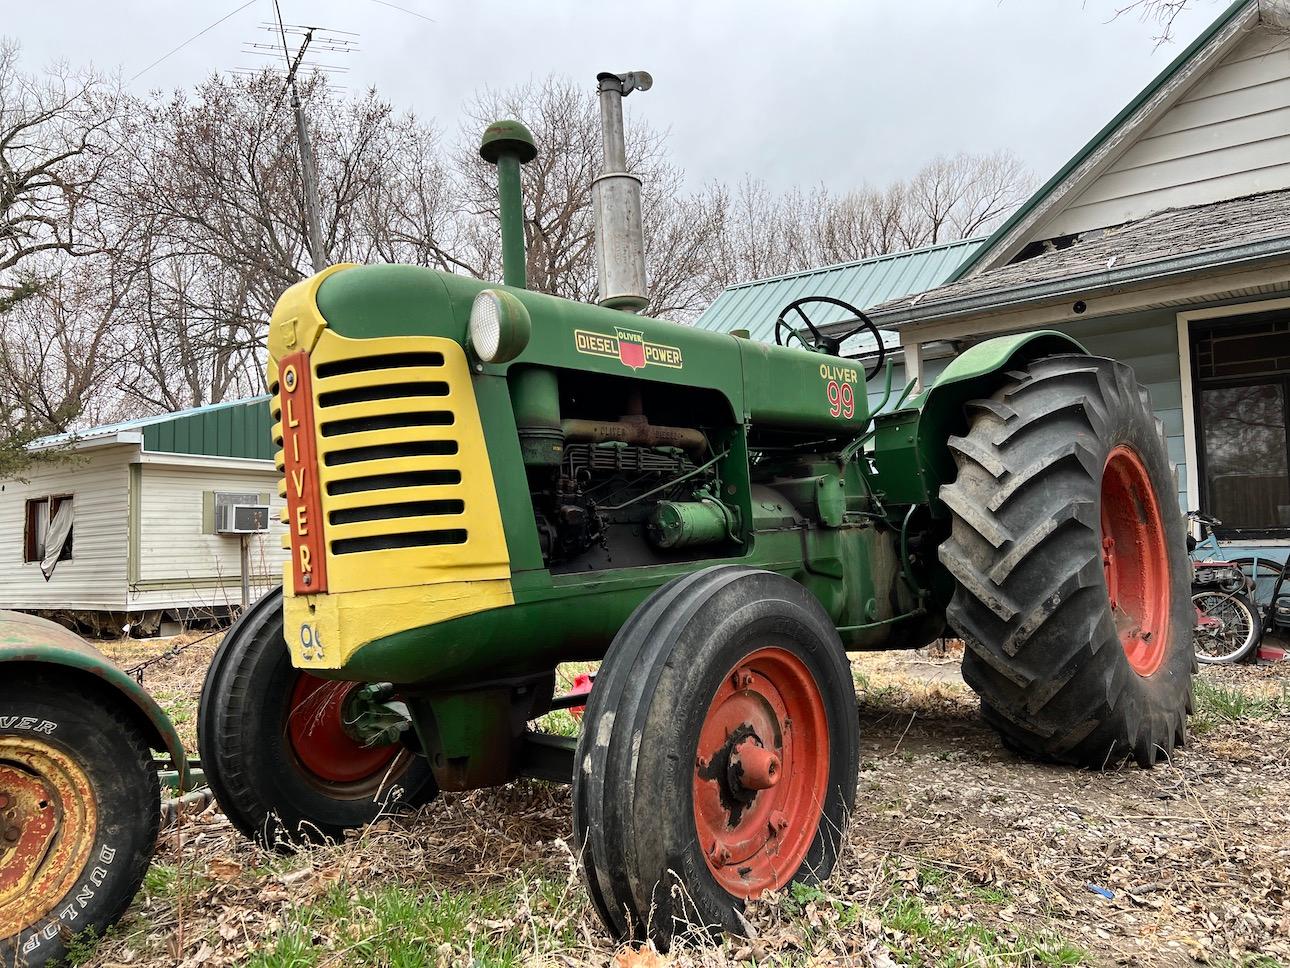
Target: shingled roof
<point x="1204" y="234"/>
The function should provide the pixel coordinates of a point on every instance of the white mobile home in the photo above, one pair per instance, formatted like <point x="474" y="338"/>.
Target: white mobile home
<point x="134" y="521"/>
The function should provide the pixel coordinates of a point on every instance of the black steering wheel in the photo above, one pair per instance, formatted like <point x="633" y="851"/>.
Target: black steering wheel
<point x="820" y="343"/>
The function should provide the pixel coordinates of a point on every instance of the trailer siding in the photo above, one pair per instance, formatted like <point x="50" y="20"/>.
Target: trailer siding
<point x="95" y="576"/>
<point x="179" y="565"/>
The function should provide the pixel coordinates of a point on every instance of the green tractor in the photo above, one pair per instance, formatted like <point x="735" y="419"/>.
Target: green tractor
<point x="484" y="482"/>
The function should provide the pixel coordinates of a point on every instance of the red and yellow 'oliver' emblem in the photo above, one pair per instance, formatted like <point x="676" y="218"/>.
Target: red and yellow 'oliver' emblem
<point x="629" y="347"/>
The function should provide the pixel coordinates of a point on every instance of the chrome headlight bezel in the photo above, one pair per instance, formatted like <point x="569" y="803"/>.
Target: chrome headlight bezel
<point x="500" y="326"/>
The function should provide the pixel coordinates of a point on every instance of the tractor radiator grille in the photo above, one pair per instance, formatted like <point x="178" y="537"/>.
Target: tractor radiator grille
<point x="406" y="491"/>
<point x="385" y="435"/>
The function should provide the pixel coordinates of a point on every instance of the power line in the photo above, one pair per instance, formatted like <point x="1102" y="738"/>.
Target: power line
<point x="395" y="6"/>
<point x="191" y="39"/>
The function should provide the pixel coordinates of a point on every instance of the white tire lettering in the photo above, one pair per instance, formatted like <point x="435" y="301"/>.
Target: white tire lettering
<point x="28" y="723"/>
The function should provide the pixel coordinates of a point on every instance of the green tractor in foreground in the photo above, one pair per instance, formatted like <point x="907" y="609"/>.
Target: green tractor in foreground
<point x="484" y="482"/>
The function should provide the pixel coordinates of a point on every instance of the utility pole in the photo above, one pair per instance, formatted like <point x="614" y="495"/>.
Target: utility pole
<point x="308" y="177"/>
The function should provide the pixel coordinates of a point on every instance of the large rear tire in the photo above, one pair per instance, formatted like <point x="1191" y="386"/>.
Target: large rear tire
<point x="718" y="755"/>
<point x="1073" y="582"/>
<point x="274" y="749"/>
<point x="79" y="810"/>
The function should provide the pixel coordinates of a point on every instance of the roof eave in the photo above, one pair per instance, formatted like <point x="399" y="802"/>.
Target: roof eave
<point x="87" y="442"/>
<point x="1082" y="286"/>
<point x="1006" y="239"/>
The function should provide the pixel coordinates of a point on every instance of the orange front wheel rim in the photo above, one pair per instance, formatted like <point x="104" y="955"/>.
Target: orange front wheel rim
<point x="761" y="773"/>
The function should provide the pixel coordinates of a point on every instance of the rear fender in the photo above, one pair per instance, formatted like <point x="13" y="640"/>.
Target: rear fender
<point x="38" y="642"/>
<point x="910" y="444"/>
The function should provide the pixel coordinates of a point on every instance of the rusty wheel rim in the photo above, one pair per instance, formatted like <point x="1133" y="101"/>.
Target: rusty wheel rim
<point x="761" y="773"/>
<point x="1135" y="560"/>
<point x="48" y="824"/>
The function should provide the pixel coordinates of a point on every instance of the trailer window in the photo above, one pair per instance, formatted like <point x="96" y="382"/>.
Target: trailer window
<point x="40" y="513"/>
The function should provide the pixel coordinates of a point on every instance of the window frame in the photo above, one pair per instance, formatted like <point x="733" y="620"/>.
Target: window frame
<point x="51" y="502"/>
<point x="1194" y="427"/>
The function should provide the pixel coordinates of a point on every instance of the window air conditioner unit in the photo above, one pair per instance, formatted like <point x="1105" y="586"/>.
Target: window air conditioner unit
<point x="242" y="518"/>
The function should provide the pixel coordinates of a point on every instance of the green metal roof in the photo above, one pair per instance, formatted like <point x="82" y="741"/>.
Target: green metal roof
<point x="242" y="428"/>
<point x="1126" y="112"/>
<point x="755" y="305"/>
<point x="239" y="428"/>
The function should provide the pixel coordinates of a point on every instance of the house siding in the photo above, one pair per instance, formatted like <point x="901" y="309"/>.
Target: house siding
<point x="179" y="566"/>
<point x="1229" y="136"/>
<point x="95" y="576"/>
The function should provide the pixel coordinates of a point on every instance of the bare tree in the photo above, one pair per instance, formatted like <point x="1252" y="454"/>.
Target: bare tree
<point x="52" y="147"/>
<point x="1163" y="12"/>
<point x="957" y="196"/>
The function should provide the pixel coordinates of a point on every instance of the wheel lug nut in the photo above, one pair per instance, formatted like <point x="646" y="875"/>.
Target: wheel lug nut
<point x="700" y="763"/>
<point x="12" y="834"/>
<point x="777" y="821"/>
<point x="742" y="679"/>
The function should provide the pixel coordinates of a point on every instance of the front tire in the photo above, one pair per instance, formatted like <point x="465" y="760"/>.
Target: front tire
<point x="80" y="804"/>
<point x="718" y="756"/>
<point x="273" y="746"/>
<point x="1072" y="577"/>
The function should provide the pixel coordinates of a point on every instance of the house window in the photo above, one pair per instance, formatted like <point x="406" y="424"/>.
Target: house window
<point x="41" y="513"/>
<point x="1242" y="380"/>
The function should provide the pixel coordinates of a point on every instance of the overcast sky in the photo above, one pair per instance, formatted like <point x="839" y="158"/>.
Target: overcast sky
<point x="796" y="93"/>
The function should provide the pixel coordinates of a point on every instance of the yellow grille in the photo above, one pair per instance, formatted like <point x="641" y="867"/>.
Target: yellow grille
<point x="407" y="491"/>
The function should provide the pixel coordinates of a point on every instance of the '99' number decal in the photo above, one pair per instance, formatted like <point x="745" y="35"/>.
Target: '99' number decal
<point x="842" y="399"/>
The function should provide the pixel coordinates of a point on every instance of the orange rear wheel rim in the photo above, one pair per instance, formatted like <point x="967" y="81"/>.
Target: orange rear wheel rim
<point x="1135" y="560"/>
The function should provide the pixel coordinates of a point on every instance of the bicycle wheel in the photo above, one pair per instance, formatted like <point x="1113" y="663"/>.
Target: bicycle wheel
<point x="1227" y="627"/>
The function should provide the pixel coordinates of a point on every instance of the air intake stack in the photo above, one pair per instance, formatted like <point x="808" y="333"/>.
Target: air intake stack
<point x="620" y="237"/>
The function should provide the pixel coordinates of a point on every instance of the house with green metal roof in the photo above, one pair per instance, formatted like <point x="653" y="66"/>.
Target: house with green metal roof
<point x="1164" y="242"/>
<point x="142" y="523"/>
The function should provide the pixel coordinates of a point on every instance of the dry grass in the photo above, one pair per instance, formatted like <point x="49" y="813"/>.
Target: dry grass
<point x="959" y="853"/>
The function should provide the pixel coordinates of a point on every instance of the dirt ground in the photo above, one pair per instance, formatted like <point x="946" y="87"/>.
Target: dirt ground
<point x="960" y="853"/>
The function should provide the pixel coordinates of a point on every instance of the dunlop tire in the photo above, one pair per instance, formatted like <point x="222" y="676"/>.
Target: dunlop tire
<point x="106" y="742"/>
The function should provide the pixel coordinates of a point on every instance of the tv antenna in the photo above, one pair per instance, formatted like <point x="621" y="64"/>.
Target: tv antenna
<point x="336" y="42"/>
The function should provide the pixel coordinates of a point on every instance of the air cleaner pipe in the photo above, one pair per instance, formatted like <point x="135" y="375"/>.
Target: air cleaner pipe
<point x="508" y="144"/>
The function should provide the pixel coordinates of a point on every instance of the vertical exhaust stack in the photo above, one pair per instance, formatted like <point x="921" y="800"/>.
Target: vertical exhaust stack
<point x="620" y="236"/>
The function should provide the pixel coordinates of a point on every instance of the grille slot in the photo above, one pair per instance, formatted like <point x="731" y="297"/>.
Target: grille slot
<point x="387" y="421"/>
<point x="384" y="391"/>
<point x="412" y="448"/>
<point x="380" y="482"/>
<point x="409" y="539"/>
<point x="388" y="512"/>
<point x="382" y="361"/>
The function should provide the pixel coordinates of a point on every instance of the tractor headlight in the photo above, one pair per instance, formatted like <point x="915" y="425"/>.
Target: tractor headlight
<point x="499" y="326"/>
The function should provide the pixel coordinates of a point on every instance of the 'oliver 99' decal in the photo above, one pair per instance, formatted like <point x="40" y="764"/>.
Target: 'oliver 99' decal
<point x="842" y="399"/>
